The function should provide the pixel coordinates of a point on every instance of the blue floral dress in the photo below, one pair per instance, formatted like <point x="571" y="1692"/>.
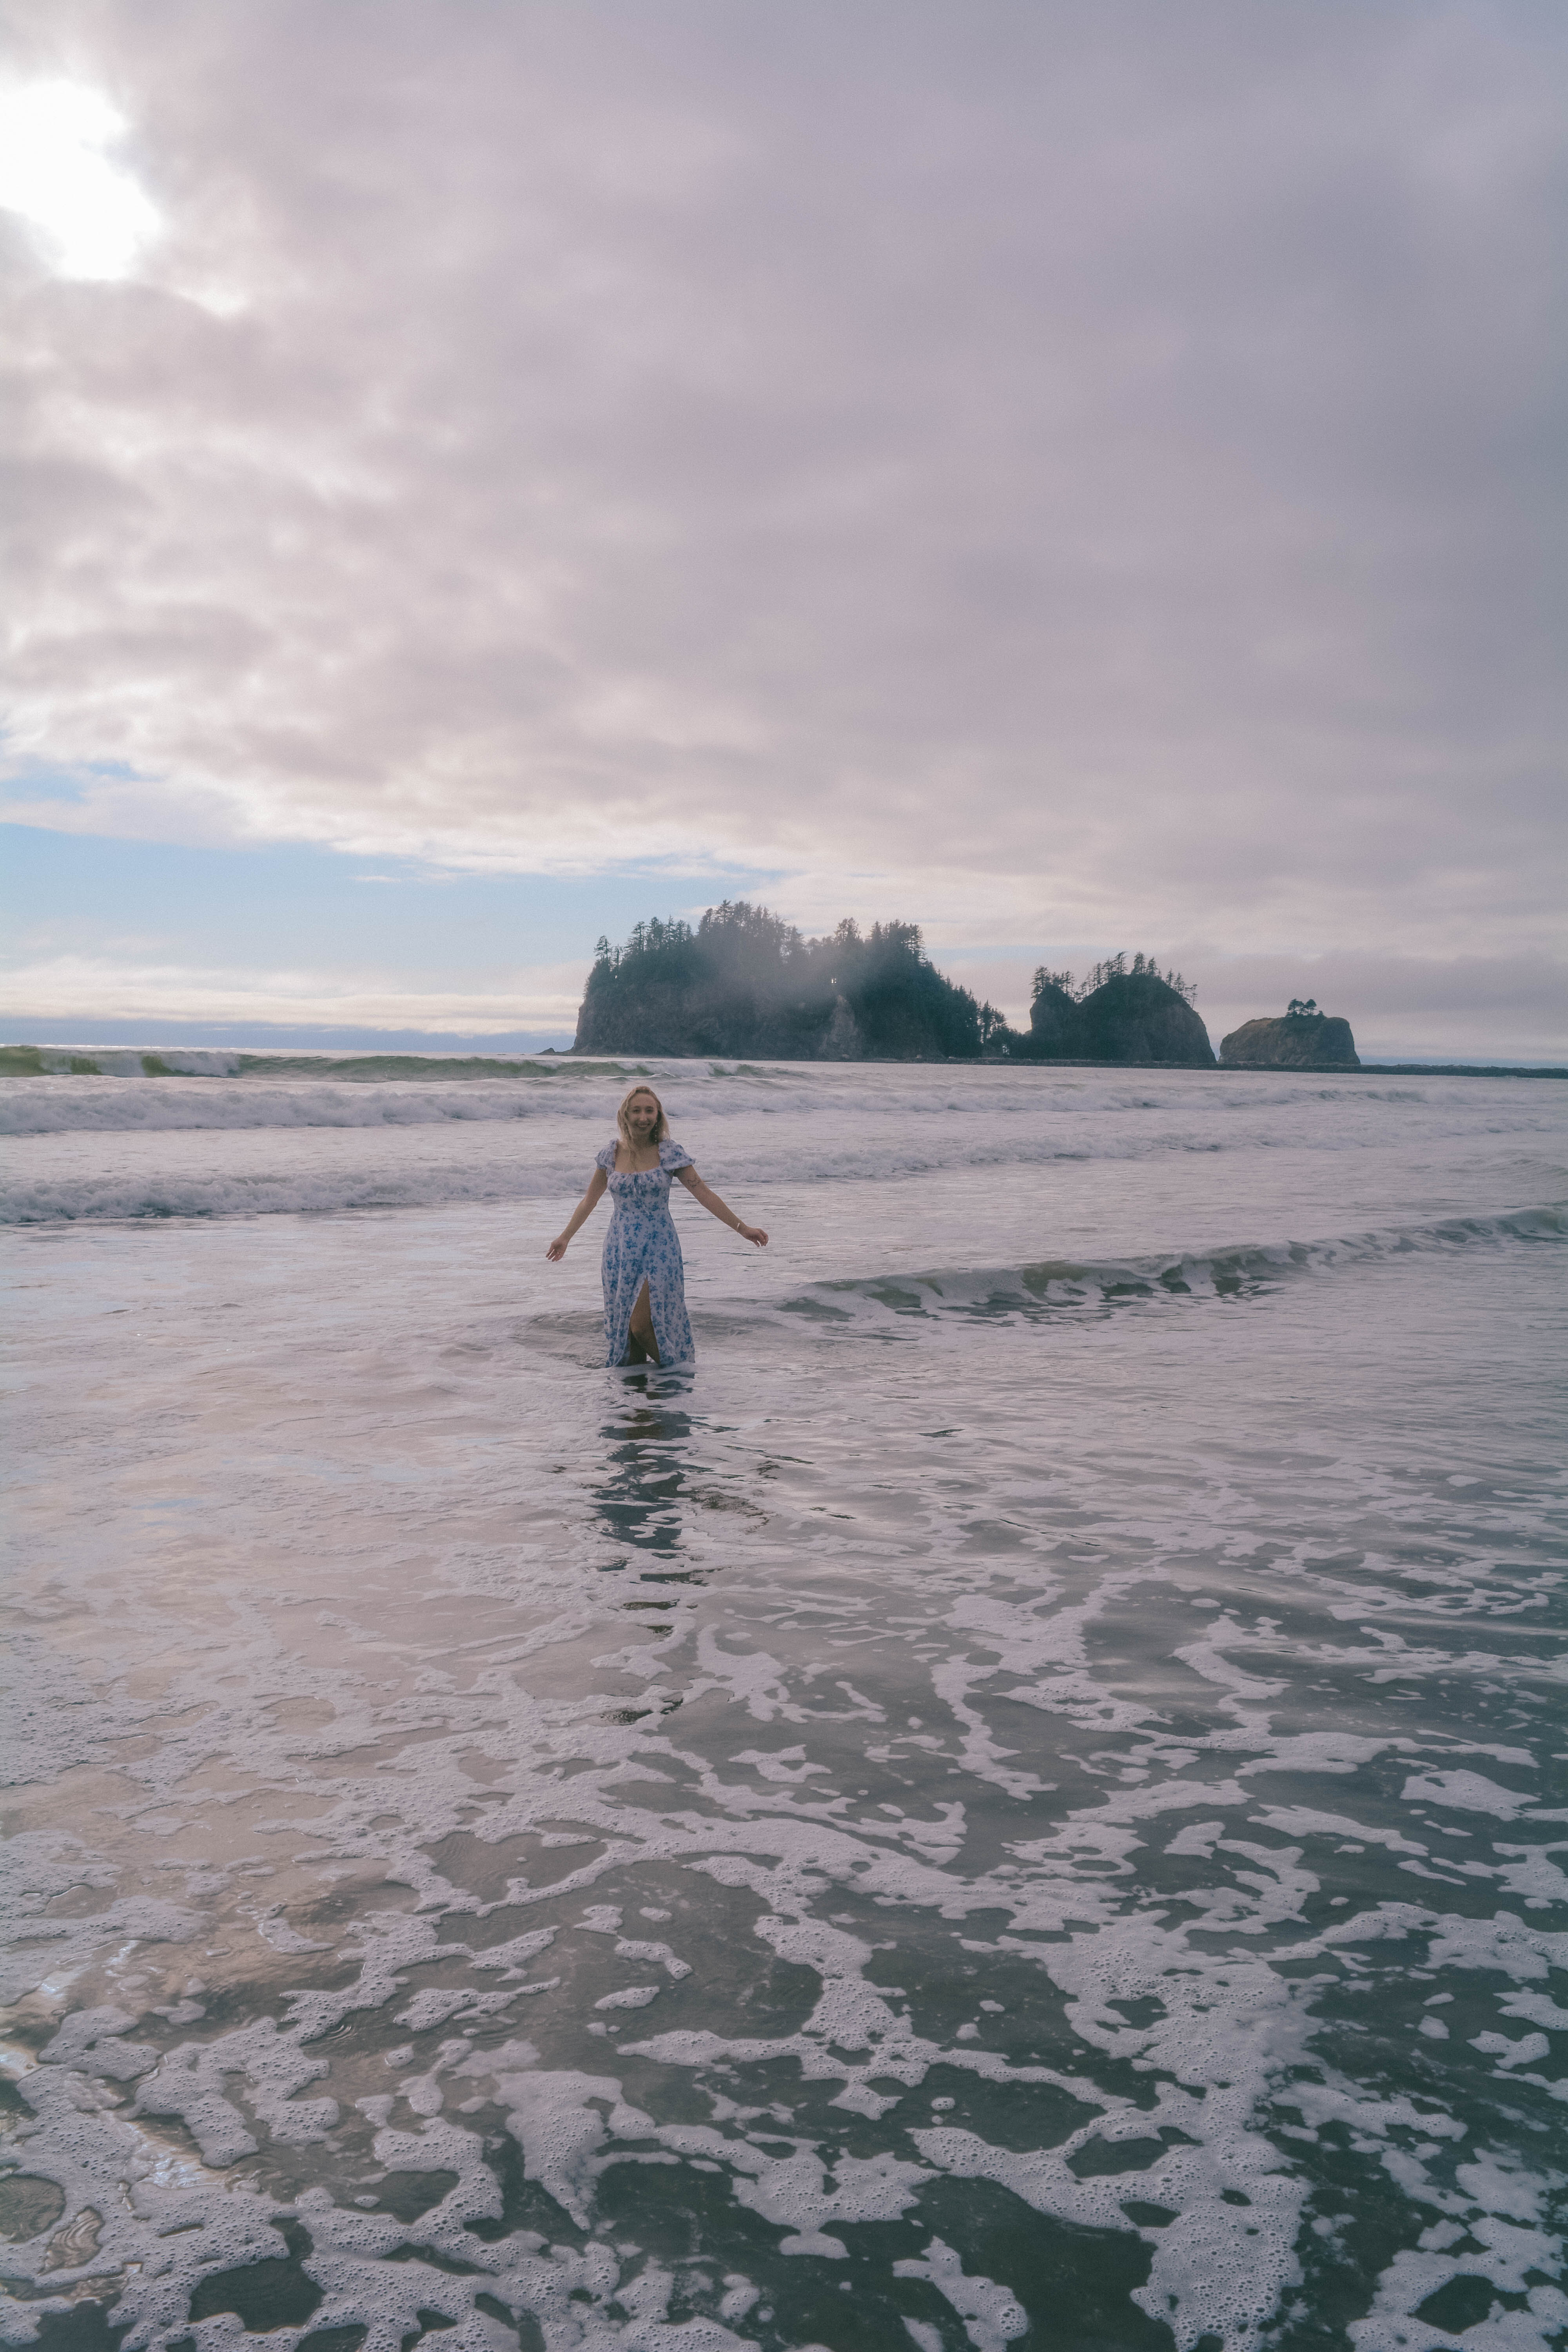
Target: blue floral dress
<point x="642" y="1246"/>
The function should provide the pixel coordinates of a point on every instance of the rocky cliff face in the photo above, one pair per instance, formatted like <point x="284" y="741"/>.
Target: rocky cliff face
<point x="1138" y="1017"/>
<point x="1299" y="1041"/>
<point x="1133" y="1016"/>
<point x="841" y="1040"/>
<point x="1057" y="1028"/>
<point x="695" y="1021"/>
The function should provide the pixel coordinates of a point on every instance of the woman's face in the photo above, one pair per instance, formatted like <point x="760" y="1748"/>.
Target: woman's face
<point x="642" y="1116"/>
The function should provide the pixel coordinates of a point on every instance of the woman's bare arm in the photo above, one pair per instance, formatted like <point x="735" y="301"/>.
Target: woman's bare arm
<point x="584" y="1210"/>
<point x="719" y="1209"/>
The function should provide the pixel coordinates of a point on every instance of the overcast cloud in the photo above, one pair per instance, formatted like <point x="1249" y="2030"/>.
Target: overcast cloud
<point x="1066" y="474"/>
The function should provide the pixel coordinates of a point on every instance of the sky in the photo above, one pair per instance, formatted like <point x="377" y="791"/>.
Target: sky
<point x="1076" y="478"/>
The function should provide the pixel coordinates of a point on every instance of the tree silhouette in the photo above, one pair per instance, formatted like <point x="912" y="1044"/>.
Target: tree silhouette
<point x="752" y="968"/>
<point x="1114" y="967"/>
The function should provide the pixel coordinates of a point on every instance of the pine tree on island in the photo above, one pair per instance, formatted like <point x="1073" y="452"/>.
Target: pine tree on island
<point x="1118" y="1011"/>
<point x="745" y="983"/>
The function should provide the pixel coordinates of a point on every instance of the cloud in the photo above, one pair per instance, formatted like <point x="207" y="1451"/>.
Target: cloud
<point x="89" y="215"/>
<point x="62" y="990"/>
<point x="1056" y="474"/>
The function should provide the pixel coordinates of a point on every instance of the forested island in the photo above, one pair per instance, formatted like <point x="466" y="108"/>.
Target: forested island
<point x="746" y="985"/>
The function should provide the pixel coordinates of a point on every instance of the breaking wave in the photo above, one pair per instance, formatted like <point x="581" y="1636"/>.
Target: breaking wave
<point x="1057" y="1285"/>
<point x="50" y="1091"/>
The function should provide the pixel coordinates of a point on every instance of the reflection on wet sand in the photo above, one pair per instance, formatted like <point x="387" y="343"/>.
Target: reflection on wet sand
<point x="647" y="1468"/>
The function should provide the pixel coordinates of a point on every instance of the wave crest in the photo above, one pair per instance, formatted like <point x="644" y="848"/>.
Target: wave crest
<point x="1054" y="1286"/>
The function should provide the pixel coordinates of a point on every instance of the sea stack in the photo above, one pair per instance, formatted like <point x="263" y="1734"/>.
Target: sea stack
<point x="1301" y="1039"/>
<point x="1057" y="1030"/>
<point x="1136" y="1016"/>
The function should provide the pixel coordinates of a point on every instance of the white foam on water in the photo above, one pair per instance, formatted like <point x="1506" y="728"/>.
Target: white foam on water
<point x="992" y="2316"/>
<point x="829" y="1735"/>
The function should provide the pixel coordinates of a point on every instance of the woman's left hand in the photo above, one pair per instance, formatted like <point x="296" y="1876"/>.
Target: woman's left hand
<point x="752" y="1233"/>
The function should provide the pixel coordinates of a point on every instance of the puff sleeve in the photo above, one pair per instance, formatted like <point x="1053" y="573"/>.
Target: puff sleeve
<point x="673" y="1157"/>
<point x="607" y="1159"/>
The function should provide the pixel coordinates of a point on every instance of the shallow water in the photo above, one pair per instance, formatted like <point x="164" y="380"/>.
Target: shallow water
<point x="1023" y="1801"/>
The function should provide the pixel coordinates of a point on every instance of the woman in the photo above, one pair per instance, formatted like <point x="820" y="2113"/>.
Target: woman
<point x="644" y="1280"/>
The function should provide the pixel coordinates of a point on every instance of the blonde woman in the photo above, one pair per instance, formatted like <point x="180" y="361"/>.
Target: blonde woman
<point x="644" y="1277"/>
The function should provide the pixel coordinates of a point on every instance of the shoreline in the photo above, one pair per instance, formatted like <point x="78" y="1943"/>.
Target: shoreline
<point x="16" y="1058"/>
<point x="1215" y="1069"/>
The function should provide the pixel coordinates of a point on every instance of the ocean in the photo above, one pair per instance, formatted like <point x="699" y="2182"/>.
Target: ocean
<point x="483" y="1850"/>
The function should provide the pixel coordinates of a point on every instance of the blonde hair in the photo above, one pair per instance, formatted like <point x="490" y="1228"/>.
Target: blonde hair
<point x="660" y="1133"/>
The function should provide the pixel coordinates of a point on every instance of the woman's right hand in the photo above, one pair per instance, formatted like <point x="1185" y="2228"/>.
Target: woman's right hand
<point x="557" y="1249"/>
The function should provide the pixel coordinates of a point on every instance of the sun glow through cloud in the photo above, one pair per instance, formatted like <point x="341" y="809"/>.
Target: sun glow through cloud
<point x="588" y="477"/>
<point x="87" y="213"/>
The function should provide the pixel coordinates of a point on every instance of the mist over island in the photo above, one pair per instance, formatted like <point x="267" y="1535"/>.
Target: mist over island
<point x="745" y="983"/>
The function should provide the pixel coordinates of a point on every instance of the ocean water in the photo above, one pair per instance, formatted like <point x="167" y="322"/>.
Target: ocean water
<point x="1021" y="1802"/>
